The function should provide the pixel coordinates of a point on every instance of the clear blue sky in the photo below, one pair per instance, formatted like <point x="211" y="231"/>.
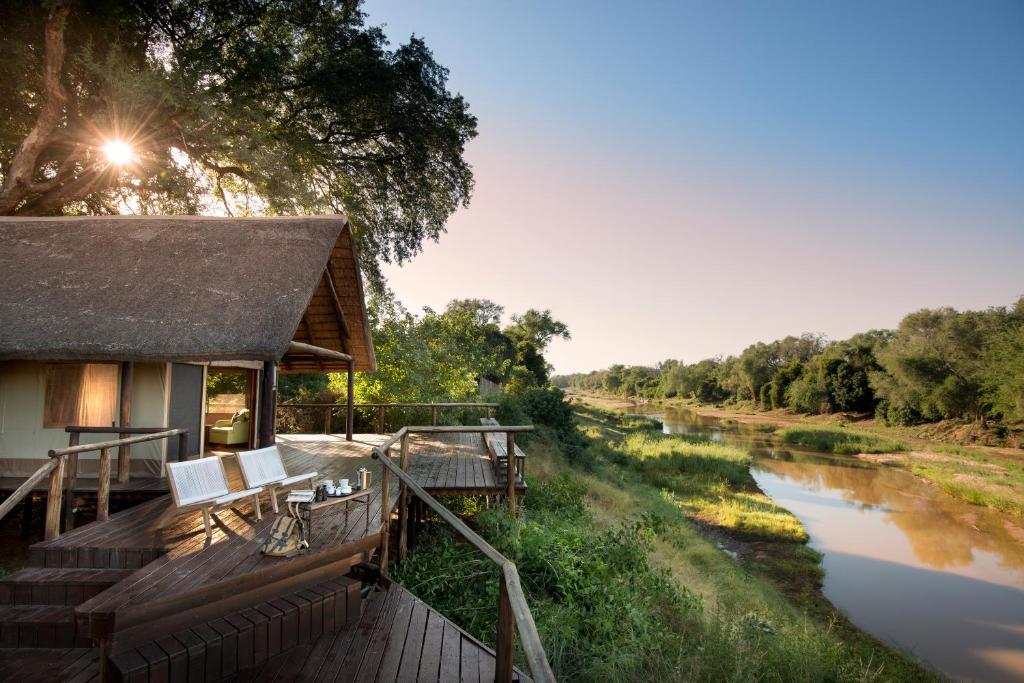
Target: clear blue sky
<point x="682" y="179"/>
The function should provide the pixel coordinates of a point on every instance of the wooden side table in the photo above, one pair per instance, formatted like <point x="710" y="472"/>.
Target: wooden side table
<point x="360" y="496"/>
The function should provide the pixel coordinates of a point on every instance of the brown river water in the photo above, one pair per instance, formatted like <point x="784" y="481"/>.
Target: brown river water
<point x="933" y="576"/>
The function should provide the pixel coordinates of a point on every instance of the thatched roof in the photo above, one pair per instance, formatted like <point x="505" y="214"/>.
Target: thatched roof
<point x="179" y="288"/>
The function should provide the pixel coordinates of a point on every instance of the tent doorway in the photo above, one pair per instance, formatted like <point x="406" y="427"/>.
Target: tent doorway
<point x="228" y="418"/>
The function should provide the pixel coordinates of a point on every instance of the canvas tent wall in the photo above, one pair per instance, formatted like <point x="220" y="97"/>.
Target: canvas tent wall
<point x="25" y="440"/>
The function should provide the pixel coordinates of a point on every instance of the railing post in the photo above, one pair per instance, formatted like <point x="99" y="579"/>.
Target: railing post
<point x="380" y="419"/>
<point x="103" y="487"/>
<point x="403" y="501"/>
<point x="72" y="479"/>
<point x="124" y="453"/>
<point x="350" y="414"/>
<point x="327" y="420"/>
<point x="505" y="646"/>
<point x="433" y="415"/>
<point x="183" y="446"/>
<point x="510" y="476"/>
<point x="54" y="498"/>
<point x="385" y="515"/>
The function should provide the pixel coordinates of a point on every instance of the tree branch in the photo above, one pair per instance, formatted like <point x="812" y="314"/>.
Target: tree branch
<point x="18" y="181"/>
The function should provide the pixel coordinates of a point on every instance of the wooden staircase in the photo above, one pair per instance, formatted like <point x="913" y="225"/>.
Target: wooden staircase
<point x="37" y="605"/>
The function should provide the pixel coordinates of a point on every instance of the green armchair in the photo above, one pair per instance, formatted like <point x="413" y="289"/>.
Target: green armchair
<point x="233" y="431"/>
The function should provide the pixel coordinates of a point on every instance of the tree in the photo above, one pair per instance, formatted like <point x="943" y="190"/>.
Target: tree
<point x="537" y="327"/>
<point x="261" y="106"/>
<point x="934" y="366"/>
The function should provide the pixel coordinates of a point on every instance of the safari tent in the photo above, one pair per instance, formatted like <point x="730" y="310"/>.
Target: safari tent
<point x="122" y="322"/>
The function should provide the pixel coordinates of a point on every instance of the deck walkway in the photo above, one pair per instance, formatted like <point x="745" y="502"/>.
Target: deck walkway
<point x="396" y="638"/>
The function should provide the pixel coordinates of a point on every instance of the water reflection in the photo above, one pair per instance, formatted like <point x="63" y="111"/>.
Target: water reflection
<point x="905" y="561"/>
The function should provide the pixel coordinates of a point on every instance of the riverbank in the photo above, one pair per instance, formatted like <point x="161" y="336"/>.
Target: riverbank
<point x="981" y="475"/>
<point x="736" y="591"/>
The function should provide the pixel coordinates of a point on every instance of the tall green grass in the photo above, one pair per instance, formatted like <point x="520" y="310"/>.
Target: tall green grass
<point x="839" y="441"/>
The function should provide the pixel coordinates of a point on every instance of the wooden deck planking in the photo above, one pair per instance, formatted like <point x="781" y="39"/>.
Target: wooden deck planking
<point x="398" y="638"/>
<point x="42" y="665"/>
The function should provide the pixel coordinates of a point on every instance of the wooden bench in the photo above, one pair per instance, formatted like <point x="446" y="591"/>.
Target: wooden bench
<point x="203" y="485"/>
<point x="497" y="446"/>
<point x="264" y="467"/>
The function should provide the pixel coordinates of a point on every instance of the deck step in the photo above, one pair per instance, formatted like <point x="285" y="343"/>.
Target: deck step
<point x="45" y="665"/>
<point x="47" y="556"/>
<point x="243" y="639"/>
<point x="32" y="626"/>
<point x="56" y="586"/>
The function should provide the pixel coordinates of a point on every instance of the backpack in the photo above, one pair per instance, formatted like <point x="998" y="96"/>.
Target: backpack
<point x="287" y="537"/>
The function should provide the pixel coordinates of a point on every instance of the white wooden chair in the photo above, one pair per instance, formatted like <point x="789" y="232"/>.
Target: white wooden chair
<point x="264" y="467"/>
<point x="203" y="484"/>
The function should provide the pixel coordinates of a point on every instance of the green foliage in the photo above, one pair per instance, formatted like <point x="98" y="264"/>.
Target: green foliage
<point x="227" y="382"/>
<point x="276" y="107"/>
<point x="589" y="589"/>
<point x="841" y="441"/>
<point x="551" y="413"/>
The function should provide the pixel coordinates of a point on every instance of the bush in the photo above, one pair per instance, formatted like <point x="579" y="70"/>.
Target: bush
<point x="590" y="590"/>
<point x="550" y="412"/>
<point x="840" y="441"/>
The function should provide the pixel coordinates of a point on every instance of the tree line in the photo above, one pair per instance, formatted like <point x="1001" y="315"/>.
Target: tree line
<point x="937" y="364"/>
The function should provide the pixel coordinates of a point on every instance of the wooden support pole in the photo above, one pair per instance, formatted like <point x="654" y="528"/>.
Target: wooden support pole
<point x="505" y="645"/>
<point x="327" y="420"/>
<point x="403" y="501"/>
<point x="103" y="487"/>
<point x="380" y="419"/>
<point x="268" y="404"/>
<point x="124" y="453"/>
<point x="54" y="498"/>
<point x="511" y="472"/>
<point x="69" y="487"/>
<point x="183" y="446"/>
<point x="385" y="517"/>
<point x="350" y="405"/>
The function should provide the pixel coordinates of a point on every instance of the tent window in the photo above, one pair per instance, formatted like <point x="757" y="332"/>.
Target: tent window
<point x="83" y="394"/>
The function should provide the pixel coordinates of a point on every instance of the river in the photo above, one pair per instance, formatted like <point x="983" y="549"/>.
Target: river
<point x="934" y="576"/>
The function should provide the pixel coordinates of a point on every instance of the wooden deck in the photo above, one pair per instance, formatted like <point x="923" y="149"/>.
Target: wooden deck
<point x="176" y="578"/>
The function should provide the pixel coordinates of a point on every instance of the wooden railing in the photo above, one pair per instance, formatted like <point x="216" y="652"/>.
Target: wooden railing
<point x="513" y="610"/>
<point x="382" y="409"/>
<point x="64" y="461"/>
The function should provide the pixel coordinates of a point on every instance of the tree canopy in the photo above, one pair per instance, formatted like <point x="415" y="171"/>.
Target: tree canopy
<point x="245" y="108"/>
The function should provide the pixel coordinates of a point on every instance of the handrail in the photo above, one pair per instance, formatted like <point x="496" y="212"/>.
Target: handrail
<point x="26" y="487"/>
<point x="512" y="601"/>
<point x="102" y="445"/>
<point x="465" y="404"/>
<point x="61" y="459"/>
<point x="383" y="407"/>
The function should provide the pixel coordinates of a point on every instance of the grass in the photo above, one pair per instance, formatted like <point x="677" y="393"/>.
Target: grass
<point x="626" y="575"/>
<point x="840" y="441"/>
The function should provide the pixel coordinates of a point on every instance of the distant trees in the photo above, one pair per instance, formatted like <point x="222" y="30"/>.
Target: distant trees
<point x="937" y="364"/>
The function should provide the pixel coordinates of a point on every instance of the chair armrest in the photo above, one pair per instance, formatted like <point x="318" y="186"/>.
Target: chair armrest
<point x="297" y="478"/>
<point x="238" y="495"/>
<point x="222" y="423"/>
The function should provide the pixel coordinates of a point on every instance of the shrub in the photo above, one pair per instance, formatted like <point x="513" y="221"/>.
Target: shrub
<point x="840" y="441"/>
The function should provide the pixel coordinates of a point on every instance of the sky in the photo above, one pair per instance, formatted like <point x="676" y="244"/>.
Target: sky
<point x="682" y="179"/>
